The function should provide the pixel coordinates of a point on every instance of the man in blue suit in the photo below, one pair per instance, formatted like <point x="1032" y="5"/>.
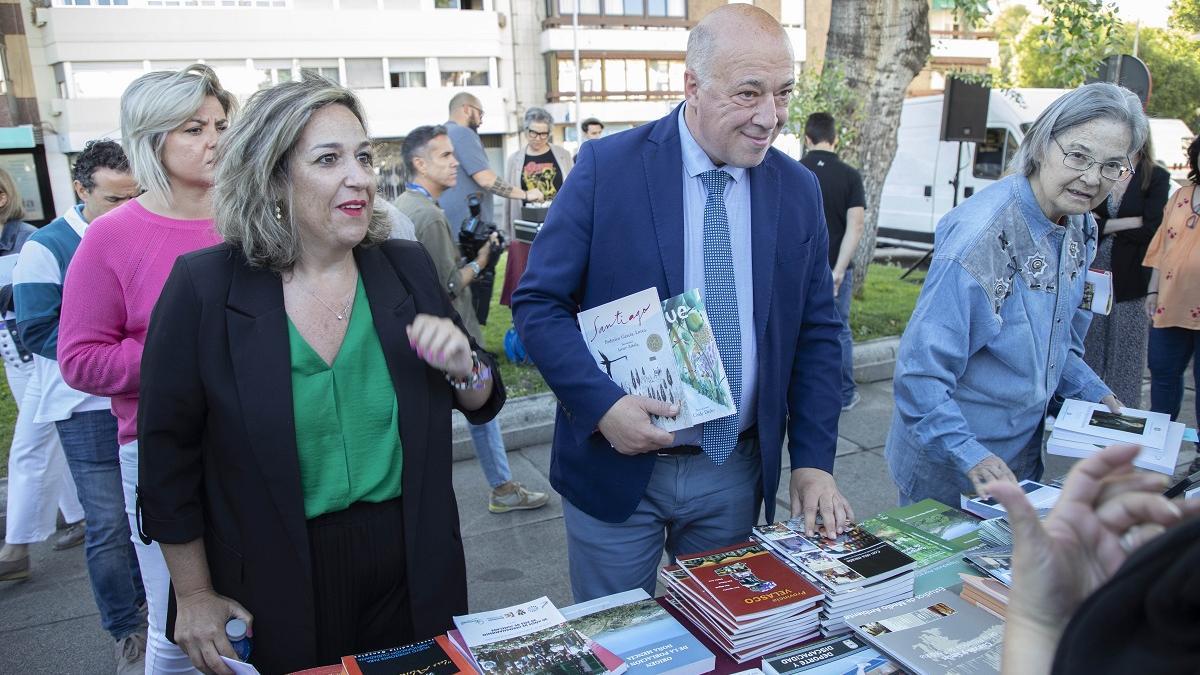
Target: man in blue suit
<point x="698" y="199"/>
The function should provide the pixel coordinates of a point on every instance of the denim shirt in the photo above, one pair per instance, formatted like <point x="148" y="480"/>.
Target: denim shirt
<point x="997" y="331"/>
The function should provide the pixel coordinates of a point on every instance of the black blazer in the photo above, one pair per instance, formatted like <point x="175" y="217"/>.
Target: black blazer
<point x="218" y="441"/>
<point x="1130" y="279"/>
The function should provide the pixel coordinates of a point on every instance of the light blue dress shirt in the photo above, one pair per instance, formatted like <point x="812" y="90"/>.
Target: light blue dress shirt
<point x="997" y="331"/>
<point x="737" y="204"/>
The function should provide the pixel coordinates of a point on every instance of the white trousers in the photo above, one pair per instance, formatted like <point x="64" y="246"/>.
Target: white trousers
<point x="162" y="655"/>
<point x="39" y="481"/>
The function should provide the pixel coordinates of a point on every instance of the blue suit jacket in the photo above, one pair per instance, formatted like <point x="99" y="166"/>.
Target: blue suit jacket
<point x="615" y="228"/>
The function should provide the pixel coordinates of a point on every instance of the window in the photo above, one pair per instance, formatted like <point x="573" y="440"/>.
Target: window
<point x="993" y="154"/>
<point x="631" y="78"/>
<point x="406" y="72"/>
<point x="327" y="68"/>
<point x="364" y="73"/>
<point x="676" y="9"/>
<point x="272" y="71"/>
<point x="464" y="72"/>
<point x="104" y="79"/>
<point x="458" y="4"/>
<point x="236" y="75"/>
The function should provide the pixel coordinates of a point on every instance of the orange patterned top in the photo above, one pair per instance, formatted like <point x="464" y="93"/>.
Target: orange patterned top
<point x="1175" y="254"/>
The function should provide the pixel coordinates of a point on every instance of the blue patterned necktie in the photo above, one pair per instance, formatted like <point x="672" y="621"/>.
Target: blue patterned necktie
<point x="720" y="299"/>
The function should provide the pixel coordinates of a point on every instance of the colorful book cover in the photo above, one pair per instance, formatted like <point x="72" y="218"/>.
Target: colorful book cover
<point x="937" y="632"/>
<point x="854" y="559"/>
<point x="844" y="655"/>
<point x="996" y="562"/>
<point x="705" y="386"/>
<point x="532" y="638"/>
<point x="747" y="581"/>
<point x="638" y="630"/>
<point x="927" y="531"/>
<point x="423" y="658"/>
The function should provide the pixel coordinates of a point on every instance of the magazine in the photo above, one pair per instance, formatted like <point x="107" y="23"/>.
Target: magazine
<point x="530" y="639"/>
<point x="636" y="628"/>
<point x="631" y="342"/>
<point x="937" y="632"/>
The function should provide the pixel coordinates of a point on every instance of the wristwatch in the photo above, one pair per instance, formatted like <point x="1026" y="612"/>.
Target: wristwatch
<point x="475" y="267"/>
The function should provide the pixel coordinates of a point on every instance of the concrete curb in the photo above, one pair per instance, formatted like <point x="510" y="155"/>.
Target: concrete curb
<point x="529" y="420"/>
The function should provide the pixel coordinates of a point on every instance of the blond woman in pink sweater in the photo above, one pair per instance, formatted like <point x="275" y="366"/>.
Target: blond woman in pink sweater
<point x="170" y="123"/>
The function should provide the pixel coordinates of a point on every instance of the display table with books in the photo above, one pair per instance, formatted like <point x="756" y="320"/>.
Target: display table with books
<point x="916" y="589"/>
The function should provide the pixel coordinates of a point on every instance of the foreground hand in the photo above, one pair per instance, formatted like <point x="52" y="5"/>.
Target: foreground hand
<point x="1114" y="404"/>
<point x="628" y="428"/>
<point x="815" y="492"/>
<point x="439" y="342"/>
<point x="200" y="629"/>
<point x="1105" y="512"/>
<point x="991" y="469"/>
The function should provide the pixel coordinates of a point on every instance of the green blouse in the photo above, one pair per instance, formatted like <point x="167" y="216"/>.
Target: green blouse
<point x="347" y="418"/>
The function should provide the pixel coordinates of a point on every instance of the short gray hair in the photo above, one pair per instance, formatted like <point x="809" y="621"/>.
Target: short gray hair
<point x="253" y="191"/>
<point x="1099" y="100"/>
<point x="156" y="104"/>
<point x="534" y="115"/>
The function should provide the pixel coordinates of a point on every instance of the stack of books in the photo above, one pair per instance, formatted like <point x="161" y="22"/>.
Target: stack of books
<point x="936" y="632"/>
<point x="928" y="531"/>
<point x="747" y="601"/>
<point x="985" y="593"/>
<point x="856" y="571"/>
<point x="1082" y="428"/>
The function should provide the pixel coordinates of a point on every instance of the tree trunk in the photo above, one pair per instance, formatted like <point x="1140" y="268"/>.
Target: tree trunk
<point x="880" y="45"/>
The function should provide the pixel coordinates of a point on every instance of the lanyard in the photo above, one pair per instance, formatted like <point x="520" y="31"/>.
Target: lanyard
<point x="418" y="189"/>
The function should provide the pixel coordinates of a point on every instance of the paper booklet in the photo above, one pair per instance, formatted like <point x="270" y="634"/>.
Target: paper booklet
<point x="661" y="350"/>
<point x="1097" y="292"/>
<point x="1042" y="497"/>
<point x="837" y="656"/>
<point x="1140" y="427"/>
<point x="532" y="638"/>
<point x="937" y="632"/>
<point x="927" y="531"/>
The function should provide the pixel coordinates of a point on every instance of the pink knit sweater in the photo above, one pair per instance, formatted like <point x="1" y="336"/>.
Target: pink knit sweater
<point x="112" y="284"/>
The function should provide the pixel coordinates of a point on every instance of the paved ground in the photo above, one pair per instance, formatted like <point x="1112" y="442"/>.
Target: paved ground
<point x="49" y="623"/>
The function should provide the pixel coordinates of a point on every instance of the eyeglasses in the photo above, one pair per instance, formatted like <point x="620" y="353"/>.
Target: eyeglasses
<point x="543" y="135"/>
<point x="475" y="108"/>
<point x="1081" y="162"/>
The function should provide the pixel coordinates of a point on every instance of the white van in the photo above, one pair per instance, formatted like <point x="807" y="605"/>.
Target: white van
<point x="918" y="190"/>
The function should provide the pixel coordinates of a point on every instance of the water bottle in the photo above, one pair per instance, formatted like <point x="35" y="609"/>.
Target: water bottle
<point x="235" y="630"/>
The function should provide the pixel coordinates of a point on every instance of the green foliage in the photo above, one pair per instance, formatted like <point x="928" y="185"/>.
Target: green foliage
<point x="1078" y="35"/>
<point x="1185" y="15"/>
<point x="1174" y="62"/>
<point x="826" y="91"/>
<point x="1008" y="26"/>
<point x="973" y="12"/>
<point x="8" y="419"/>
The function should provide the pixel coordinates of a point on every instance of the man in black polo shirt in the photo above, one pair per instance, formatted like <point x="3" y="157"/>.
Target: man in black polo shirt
<point x="842" y="190"/>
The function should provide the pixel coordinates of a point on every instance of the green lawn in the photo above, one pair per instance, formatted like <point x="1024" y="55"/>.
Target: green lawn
<point x="883" y="310"/>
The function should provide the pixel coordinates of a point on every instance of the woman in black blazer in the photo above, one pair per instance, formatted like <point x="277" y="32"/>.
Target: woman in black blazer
<point x="1115" y="346"/>
<point x="297" y="383"/>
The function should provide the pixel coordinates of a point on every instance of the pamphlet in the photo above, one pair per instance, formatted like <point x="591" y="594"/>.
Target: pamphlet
<point x="1042" y="497"/>
<point x="1140" y="427"/>
<point x="1097" y="292"/>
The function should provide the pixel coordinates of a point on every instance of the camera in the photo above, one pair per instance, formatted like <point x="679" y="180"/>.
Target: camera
<point x="475" y="234"/>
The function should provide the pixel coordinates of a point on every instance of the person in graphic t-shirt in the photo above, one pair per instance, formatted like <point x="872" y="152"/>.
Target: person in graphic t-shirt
<point x="540" y="166"/>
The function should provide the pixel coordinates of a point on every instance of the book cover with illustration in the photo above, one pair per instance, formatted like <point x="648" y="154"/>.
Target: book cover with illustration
<point x="431" y="657"/>
<point x="699" y="360"/>
<point x="748" y="581"/>
<point x="927" y="531"/>
<point x="631" y="342"/>
<point x="531" y="639"/>
<point x="937" y="632"/>
<point x="636" y="628"/>
<point x="854" y="559"/>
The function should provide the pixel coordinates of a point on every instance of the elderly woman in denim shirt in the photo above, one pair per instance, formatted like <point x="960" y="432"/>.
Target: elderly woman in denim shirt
<point x="998" y="330"/>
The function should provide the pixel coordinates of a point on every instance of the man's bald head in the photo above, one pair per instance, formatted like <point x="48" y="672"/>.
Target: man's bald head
<point x="463" y="98"/>
<point x="726" y="28"/>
